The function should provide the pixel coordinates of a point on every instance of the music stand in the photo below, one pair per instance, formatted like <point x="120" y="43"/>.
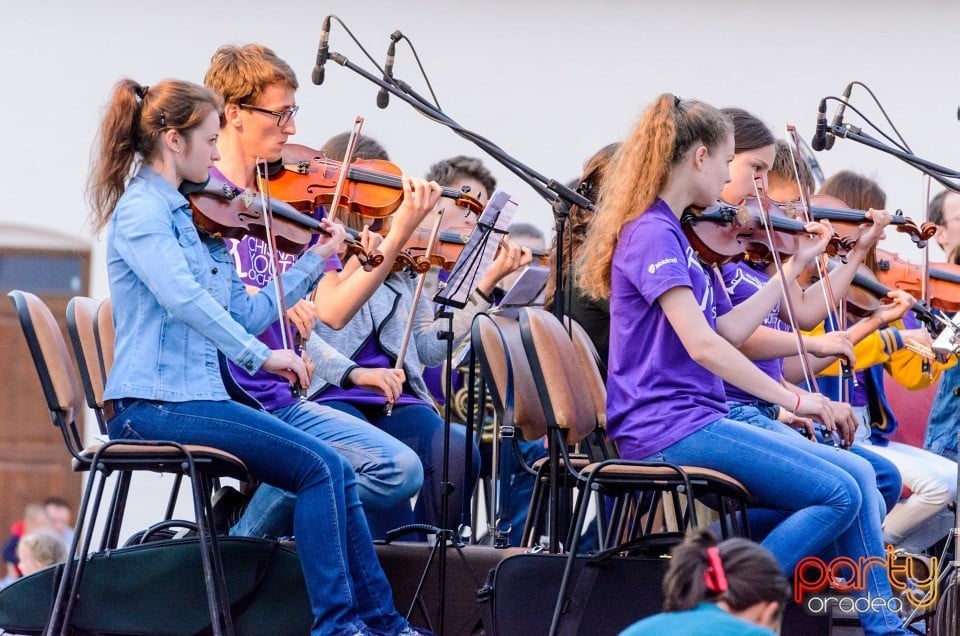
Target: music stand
<point x="476" y="257"/>
<point x="526" y="292"/>
<point x="479" y="251"/>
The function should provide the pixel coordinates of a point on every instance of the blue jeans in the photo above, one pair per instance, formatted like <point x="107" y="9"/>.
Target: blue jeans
<point x="887" y="476"/>
<point x="348" y="590"/>
<point x="521" y="488"/>
<point x="421" y="428"/>
<point x="824" y="502"/>
<point x="864" y="537"/>
<point x="388" y="472"/>
<point x="944" y="423"/>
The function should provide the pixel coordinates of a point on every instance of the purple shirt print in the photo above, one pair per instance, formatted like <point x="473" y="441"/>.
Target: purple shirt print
<point x="252" y="261"/>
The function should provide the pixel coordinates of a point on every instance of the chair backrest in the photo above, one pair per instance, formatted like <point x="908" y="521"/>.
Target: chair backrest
<point x="555" y="364"/>
<point x="82" y="321"/>
<point x="105" y="335"/>
<point x="51" y="357"/>
<point x="589" y="367"/>
<point x="497" y="339"/>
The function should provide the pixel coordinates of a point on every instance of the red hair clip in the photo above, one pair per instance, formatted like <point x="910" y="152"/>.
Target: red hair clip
<point x="714" y="576"/>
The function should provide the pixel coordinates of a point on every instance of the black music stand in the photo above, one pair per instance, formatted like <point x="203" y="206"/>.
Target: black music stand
<point x="475" y="258"/>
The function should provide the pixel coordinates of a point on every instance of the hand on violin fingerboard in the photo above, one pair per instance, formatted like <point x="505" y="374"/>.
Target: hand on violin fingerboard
<point x="330" y="243"/>
<point x="419" y="199"/>
<point x="902" y="302"/>
<point x="369" y="240"/>
<point x="812" y="247"/>
<point x="509" y="259"/>
<point x="307" y="363"/>
<point x="873" y="232"/>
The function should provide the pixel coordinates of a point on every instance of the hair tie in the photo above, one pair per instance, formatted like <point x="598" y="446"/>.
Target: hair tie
<point x="676" y="101"/>
<point x="141" y="92"/>
<point x="714" y="576"/>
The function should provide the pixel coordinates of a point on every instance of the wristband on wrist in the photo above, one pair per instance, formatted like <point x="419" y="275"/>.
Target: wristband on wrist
<point x="798" y="403"/>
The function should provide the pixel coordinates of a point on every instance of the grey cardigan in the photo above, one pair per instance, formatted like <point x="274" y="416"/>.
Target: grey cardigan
<point x="384" y="315"/>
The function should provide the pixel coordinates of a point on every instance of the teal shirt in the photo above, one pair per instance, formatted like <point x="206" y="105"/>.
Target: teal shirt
<point x="706" y="619"/>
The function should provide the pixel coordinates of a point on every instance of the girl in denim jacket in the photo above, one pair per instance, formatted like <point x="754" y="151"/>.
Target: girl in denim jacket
<point x="178" y="305"/>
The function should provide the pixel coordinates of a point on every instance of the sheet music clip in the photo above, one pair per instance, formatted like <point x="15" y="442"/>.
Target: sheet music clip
<point x="947" y="342"/>
<point x="526" y="292"/>
<point x="479" y="251"/>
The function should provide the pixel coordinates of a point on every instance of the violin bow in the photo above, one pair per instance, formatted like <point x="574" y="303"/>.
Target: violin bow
<point x="421" y="279"/>
<point x="838" y="316"/>
<point x="925" y="366"/>
<point x="341" y="181"/>
<point x="345" y="167"/>
<point x="784" y="290"/>
<point x="286" y="333"/>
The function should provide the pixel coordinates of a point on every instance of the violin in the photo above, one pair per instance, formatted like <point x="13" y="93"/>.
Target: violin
<point x="900" y="274"/>
<point x="867" y="292"/>
<point x="864" y="294"/>
<point x="448" y="247"/>
<point x="847" y="221"/>
<point x="224" y="211"/>
<point x="373" y="187"/>
<point x="722" y="232"/>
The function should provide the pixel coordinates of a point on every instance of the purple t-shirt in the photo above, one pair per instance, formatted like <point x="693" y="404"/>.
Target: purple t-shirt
<point x="252" y="260"/>
<point x="656" y="393"/>
<point x="370" y="356"/>
<point x="742" y="281"/>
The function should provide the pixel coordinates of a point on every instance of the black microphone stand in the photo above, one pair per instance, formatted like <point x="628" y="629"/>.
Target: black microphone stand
<point x="937" y="172"/>
<point x="557" y="194"/>
<point x="945" y="615"/>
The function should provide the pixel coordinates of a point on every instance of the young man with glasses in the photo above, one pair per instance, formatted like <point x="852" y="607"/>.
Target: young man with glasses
<point x="944" y="211"/>
<point x="258" y="89"/>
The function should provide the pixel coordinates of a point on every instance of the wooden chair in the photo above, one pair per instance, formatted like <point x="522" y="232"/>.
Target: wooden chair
<point x="496" y="341"/>
<point x="90" y="326"/>
<point x="569" y="386"/>
<point x="630" y="507"/>
<point x="64" y="397"/>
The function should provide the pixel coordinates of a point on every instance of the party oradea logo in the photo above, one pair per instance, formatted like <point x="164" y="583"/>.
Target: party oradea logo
<point x="841" y="582"/>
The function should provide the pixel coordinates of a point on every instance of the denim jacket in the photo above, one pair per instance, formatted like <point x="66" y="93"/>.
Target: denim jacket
<point x="944" y="421"/>
<point x="177" y="299"/>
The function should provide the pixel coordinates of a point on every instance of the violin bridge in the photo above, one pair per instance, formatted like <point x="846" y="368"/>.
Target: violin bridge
<point x="248" y="197"/>
<point x="300" y="167"/>
<point x="742" y="215"/>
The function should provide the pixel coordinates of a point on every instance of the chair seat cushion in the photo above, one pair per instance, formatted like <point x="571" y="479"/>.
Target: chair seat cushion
<point x="140" y="455"/>
<point x="712" y="479"/>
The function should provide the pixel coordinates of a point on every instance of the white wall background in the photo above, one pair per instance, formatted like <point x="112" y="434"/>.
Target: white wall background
<point x="551" y="82"/>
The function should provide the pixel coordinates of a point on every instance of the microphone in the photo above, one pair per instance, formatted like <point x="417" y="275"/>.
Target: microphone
<point x="819" y="140"/>
<point x="383" y="97"/>
<point x="318" y="73"/>
<point x="838" y="117"/>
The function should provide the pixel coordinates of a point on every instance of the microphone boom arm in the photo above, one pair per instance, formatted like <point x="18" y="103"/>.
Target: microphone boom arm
<point x="937" y="172"/>
<point x="551" y="190"/>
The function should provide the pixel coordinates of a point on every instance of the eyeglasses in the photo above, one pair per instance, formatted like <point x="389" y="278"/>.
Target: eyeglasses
<point x="283" y="116"/>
